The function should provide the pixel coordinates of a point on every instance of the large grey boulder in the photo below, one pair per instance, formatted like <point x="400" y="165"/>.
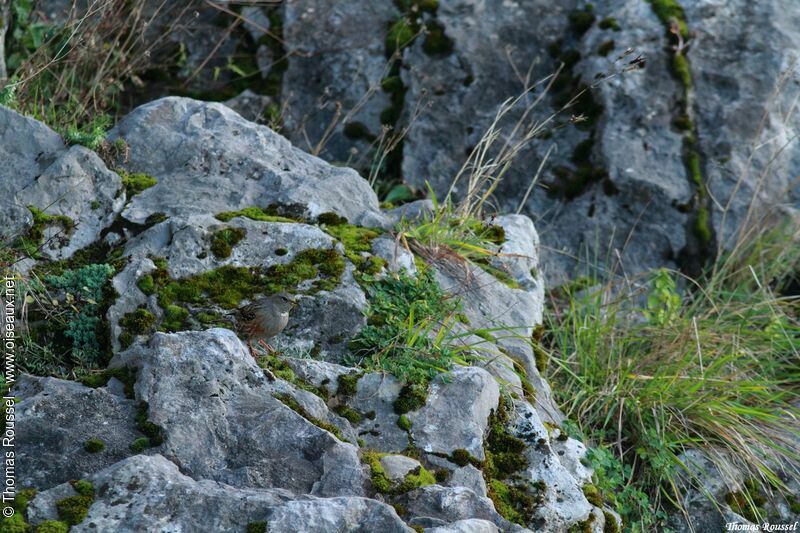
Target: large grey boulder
<point x="323" y="321"/>
<point x="434" y="506"/>
<point x="336" y="63"/>
<point x="149" y="493"/>
<point x="242" y="435"/>
<point x="221" y="162"/>
<point x="744" y="72"/>
<point x="469" y="391"/>
<point x="54" y="420"/>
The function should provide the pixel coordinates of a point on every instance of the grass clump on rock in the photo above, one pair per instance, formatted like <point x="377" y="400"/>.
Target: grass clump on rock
<point x="408" y="333"/>
<point x="223" y="241"/>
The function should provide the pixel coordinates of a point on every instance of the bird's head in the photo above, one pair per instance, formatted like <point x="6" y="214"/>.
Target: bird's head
<point x="283" y="302"/>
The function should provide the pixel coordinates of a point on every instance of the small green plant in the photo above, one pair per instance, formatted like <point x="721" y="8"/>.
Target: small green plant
<point x="92" y="135"/>
<point x="409" y="329"/>
<point x="136" y="182"/>
<point x="84" y="287"/>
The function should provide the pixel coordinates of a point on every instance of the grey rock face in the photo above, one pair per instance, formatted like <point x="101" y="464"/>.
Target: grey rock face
<point x="472" y="525"/>
<point x="472" y="393"/>
<point x="222" y="162"/>
<point x="55" y="419"/>
<point x="397" y="466"/>
<point x="337" y="514"/>
<point x="745" y="76"/>
<point x="436" y="506"/>
<point x="242" y="436"/>
<point x="149" y="493"/>
<point x="375" y="396"/>
<point x="334" y="75"/>
<point x="40" y="171"/>
<point x="249" y="104"/>
<point x="469" y="477"/>
<point x="565" y="503"/>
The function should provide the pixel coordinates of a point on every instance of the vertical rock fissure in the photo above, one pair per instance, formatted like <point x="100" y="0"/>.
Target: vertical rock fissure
<point x="700" y="237"/>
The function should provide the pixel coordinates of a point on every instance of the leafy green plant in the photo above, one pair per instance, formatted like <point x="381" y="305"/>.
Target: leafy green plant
<point x="409" y="331"/>
<point x="84" y="288"/>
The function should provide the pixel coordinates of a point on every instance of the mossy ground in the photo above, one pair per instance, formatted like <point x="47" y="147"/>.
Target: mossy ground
<point x="266" y="214"/>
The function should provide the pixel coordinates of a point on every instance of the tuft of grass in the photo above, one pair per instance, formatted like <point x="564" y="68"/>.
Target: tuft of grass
<point x="650" y="372"/>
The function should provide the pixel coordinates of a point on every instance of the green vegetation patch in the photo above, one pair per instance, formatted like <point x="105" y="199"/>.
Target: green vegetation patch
<point x="223" y="241"/>
<point x="580" y="20"/>
<point x="73" y="509"/>
<point x="228" y="285"/>
<point x="348" y="384"/>
<point x="419" y="477"/>
<point x="407" y="328"/>
<point x="67" y="328"/>
<point x="100" y="379"/>
<point x="266" y="214"/>
<point x="357" y="242"/>
<point x="348" y="413"/>
<point x="32" y="241"/>
<point x="94" y="445"/>
<point x="668" y="11"/>
<point x="138" y="322"/>
<point x="135" y="183"/>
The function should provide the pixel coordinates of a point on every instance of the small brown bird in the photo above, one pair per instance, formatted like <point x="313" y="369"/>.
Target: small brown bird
<point x="265" y="317"/>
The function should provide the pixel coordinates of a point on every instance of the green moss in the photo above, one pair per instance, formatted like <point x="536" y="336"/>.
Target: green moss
<point x="593" y="495"/>
<point x="357" y="242"/>
<point x="153" y="432"/>
<point x="606" y="48"/>
<point x="702" y="226"/>
<point x="580" y="20"/>
<point x="100" y="379"/>
<point x="498" y="273"/>
<point x="380" y="481"/>
<point x="268" y="214"/>
<point x="257" y="527"/>
<point x="348" y="384"/>
<point x="462" y="457"/>
<point x="74" y="509"/>
<point x="609" y="23"/>
<point x="223" y="241"/>
<point x="400" y="35"/>
<point x="136" y="183"/>
<point x="669" y="10"/>
<point x="610" y="523"/>
<point x="138" y="322"/>
<point x="436" y="43"/>
<point x="94" y="445"/>
<point x="682" y="70"/>
<point x="52" y="526"/>
<point x="583" y="527"/>
<point x="419" y="477"/>
<point x="511" y="502"/>
<point x="139" y="445"/>
<point x="292" y="404"/>
<point x="412" y="397"/>
<point x="155" y="218"/>
<point x="228" y="285"/>
<point x="392" y="84"/>
<point x="146" y="284"/>
<point x="348" y="413"/>
<point x="174" y="318"/>
<point x="404" y="423"/>
<point x="14" y="524"/>
<point x="34" y="237"/>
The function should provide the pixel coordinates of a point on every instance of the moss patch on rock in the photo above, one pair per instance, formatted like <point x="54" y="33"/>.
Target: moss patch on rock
<point x="73" y="509"/>
<point x="261" y="214"/>
<point x="228" y="285"/>
<point x="32" y="241"/>
<point x="94" y="445"/>
<point x="136" y="183"/>
<point x="223" y="241"/>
